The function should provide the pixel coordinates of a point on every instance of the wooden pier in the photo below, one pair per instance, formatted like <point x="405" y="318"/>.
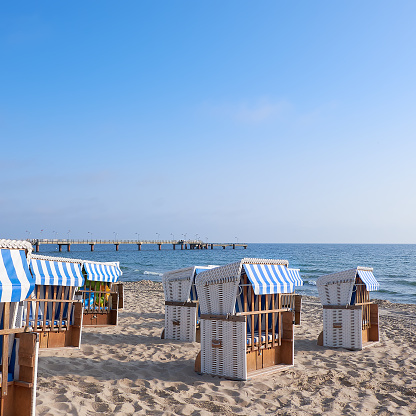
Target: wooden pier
<point x="183" y="244"/>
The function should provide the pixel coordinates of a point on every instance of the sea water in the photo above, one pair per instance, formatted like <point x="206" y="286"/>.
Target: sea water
<point x="394" y="264"/>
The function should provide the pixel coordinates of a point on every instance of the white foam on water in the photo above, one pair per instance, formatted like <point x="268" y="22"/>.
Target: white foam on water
<point x="153" y="273"/>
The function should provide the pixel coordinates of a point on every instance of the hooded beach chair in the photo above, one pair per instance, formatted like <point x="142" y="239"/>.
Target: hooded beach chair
<point x="181" y="304"/>
<point x="100" y="294"/>
<point x="52" y="309"/>
<point x="247" y="315"/>
<point x="19" y="349"/>
<point x="350" y="318"/>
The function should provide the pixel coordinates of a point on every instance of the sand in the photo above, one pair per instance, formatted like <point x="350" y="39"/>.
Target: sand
<point x="128" y="370"/>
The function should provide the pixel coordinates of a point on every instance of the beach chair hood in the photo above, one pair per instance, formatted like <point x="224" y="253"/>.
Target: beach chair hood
<point x="102" y="271"/>
<point x="16" y="282"/>
<point x="178" y="284"/>
<point x="337" y="288"/>
<point x="221" y="285"/>
<point x="56" y="271"/>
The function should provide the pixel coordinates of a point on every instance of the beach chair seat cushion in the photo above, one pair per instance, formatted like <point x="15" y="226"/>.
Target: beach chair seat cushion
<point x="263" y="338"/>
<point x="48" y="323"/>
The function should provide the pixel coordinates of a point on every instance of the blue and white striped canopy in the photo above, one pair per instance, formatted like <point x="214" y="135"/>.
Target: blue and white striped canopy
<point x="16" y="282"/>
<point x="294" y="275"/>
<point x="103" y="272"/>
<point x="269" y="278"/>
<point x="369" y="280"/>
<point x="56" y="273"/>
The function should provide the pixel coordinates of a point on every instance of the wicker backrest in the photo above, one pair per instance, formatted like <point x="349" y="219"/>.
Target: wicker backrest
<point x="218" y="288"/>
<point x="177" y="284"/>
<point x="336" y="288"/>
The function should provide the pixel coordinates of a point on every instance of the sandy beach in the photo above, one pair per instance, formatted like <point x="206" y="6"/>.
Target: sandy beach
<point x="128" y="370"/>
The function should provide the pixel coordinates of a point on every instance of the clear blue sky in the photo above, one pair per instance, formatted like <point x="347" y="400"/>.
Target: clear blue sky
<point x="270" y="121"/>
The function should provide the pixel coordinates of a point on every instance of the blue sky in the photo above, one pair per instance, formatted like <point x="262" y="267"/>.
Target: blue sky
<point x="272" y="121"/>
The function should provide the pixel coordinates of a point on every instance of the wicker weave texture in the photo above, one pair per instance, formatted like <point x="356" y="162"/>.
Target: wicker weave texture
<point x="16" y="244"/>
<point x="342" y="328"/>
<point x="217" y="289"/>
<point x="228" y="357"/>
<point x="180" y="323"/>
<point x="177" y="284"/>
<point x="336" y="289"/>
<point x="51" y="258"/>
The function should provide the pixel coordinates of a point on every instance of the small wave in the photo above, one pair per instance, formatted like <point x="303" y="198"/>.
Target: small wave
<point x="153" y="273"/>
<point x="310" y="282"/>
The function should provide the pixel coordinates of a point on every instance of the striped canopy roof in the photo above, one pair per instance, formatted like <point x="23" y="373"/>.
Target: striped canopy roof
<point x="368" y="279"/>
<point x="294" y="275"/>
<point x="103" y="272"/>
<point x="16" y="282"/>
<point x="269" y="278"/>
<point x="56" y="271"/>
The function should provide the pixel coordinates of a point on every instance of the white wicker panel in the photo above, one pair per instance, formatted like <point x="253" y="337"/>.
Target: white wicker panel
<point x="177" y="284"/>
<point x="229" y="360"/>
<point x="342" y="328"/>
<point x="336" y="289"/>
<point x="186" y="317"/>
<point x="217" y="289"/>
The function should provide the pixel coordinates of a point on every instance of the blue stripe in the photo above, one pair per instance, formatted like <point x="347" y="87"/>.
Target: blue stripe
<point x="294" y="275"/>
<point x="12" y="275"/>
<point x="28" y="276"/>
<point x="100" y="272"/>
<point x="271" y="280"/>
<point x="69" y="272"/>
<point x="368" y="278"/>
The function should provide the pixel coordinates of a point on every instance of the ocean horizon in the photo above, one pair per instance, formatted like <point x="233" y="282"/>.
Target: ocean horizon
<point x="394" y="264"/>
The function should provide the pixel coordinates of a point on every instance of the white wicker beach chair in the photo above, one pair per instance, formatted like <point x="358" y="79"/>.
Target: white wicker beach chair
<point x="52" y="310"/>
<point x="101" y="294"/>
<point x="350" y="319"/>
<point x="19" y="349"/>
<point x="181" y="304"/>
<point x="246" y="318"/>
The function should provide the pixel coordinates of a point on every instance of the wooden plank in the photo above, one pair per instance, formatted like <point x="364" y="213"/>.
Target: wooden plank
<point x="374" y="328"/>
<point x="23" y="405"/>
<point x="61" y="311"/>
<point x="77" y="313"/>
<point x="298" y="307"/>
<point x="259" y="359"/>
<point x="26" y="353"/>
<point x="5" y="350"/>
<point x="273" y="323"/>
<point x="253" y="347"/>
<point x="266" y="324"/>
<point x="43" y="339"/>
<point x="251" y="361"/>
<point x="234" y="318"/>
<point x="55" y="288"/>
<point x="45" y="309"/>
<point x="56" y="339"/>
<point x="120" y="290"/>
<point x="35" y="318"/>
<point x="186" y="304"/>
<point x="269" y="357"/>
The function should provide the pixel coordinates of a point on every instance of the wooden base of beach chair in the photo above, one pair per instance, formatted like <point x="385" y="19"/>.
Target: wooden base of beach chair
<point x="100" y="319"/>
<point x="268" y="359"/>
<point x="66" y="336"/>
<point x="119" y="288"/>
<point x="21" y="393"/>
<point x="297" y="309"/>
<point x="70" y="337"/>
